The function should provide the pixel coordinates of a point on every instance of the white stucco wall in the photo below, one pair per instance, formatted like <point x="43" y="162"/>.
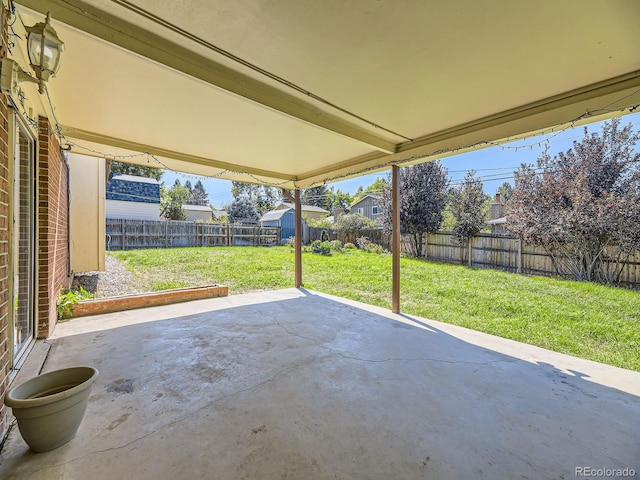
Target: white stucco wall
<point x="87" y="186"/>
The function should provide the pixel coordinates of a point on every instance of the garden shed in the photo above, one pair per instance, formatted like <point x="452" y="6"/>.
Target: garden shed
<point x="283" y="218"/>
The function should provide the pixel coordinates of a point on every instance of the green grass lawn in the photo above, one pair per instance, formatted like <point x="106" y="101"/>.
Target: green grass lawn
<point x="583" y="319"/>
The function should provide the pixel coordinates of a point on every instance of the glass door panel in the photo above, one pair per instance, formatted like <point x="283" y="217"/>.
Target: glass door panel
<point x="23" y="242"/>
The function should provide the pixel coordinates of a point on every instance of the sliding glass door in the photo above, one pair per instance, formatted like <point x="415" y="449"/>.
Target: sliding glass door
<point x="22" y="252"/>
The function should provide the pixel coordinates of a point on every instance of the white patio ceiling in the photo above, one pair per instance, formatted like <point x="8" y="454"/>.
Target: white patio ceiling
<point x="298" y="92"/>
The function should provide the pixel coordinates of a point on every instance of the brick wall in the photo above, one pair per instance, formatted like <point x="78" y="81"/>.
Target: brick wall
<point x="4" y="246"/>
<point x="52" y="237"/>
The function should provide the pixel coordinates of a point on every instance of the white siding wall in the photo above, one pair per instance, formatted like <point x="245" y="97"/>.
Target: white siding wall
<point x="193" y="215"/>
<point x="132" y="210"/>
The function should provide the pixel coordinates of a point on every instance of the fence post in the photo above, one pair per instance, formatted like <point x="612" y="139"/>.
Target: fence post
<point x="519" y="259"/>
<point x="124" y="237"/>
<point x="470" y="262"/>
<point x="228" y="234"/>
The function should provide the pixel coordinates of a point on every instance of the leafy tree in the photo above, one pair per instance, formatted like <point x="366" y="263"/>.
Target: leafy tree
<point x="468" y="204"/>
<point x="505" y="190"/>
<point x="376" y="189"/>
<point x="172" y="199"/>
<point x="198" y="195"/>
<point x="242" y="210"/>
<point x="339" y="199"/>
<point x="583" y="206"/>
<point x="316" y="196"/>
<point x="121" y="168"/>
<point x="352" y="223"/>
<point x="263" y="198"/>
<point x="423" y="194"/>
<point x="188" y="186"/>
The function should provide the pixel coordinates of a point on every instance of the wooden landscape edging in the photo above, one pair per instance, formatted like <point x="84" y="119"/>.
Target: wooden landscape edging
<point x="129" y="302"/>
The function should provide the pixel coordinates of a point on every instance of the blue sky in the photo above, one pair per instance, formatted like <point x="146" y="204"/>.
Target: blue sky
<point x="494" y="165"/>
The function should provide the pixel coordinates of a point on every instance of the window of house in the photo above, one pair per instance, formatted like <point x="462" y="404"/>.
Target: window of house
<point x="375" y="210"/>
<point x="361" y="211"/>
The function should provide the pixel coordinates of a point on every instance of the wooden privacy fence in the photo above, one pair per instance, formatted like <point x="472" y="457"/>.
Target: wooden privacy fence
<point x="123" y="234"/>
<point x="483" y="251"/>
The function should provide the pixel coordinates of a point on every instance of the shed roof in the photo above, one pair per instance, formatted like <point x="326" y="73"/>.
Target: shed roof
<point x="305" y="208"/>
<point x="295" y="94"/>
<point x="197" y="208"/>
<point x="274" y="215"/>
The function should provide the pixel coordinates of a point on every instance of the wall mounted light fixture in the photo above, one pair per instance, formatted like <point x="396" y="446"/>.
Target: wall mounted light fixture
<point x="45" y="48"/>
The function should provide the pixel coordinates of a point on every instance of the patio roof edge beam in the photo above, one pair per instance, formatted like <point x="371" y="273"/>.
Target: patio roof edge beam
<point x="115" y="30"/>
<point x="395" y="238"/>
<point x="107" y="140"/>
<point x="591" y="102"/>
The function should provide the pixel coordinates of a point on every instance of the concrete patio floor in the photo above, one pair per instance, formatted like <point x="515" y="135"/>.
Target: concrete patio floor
<point x="298" y="385"/>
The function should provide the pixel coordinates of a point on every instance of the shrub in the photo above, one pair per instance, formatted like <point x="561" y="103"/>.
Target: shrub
<point x="322" y="248"/>
<point x="368" y="246"/>
<point x="68" y="298"/>
<point x="354" y="222"/>
<point x="336" y="245"/>
<point x="349" y="246"/>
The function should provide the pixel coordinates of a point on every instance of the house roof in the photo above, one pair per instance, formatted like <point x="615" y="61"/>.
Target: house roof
<point x="197" y="208"/>
<point x="376" y="199"/>
<point x="135" y="178"/>
<point x="274" y="215"/>
<point x="305" y="208"/>
<point x="498" y="221"/>
<point x="295" y="94"/>
<point x="128" y="188"/>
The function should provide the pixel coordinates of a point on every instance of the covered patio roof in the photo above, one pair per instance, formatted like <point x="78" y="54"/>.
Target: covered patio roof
<point x="293" y="94"/>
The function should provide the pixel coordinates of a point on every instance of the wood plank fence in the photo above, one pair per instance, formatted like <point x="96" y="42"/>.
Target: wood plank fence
<point x="124" y="234"/>
<point x="485" y="250"/>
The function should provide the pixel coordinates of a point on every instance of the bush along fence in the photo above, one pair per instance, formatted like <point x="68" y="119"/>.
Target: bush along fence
<point x="123" y="234"/>
<point x="485" y="250"/>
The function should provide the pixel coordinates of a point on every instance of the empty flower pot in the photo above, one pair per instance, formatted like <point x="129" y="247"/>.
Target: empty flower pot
<point x="50" y="407"/>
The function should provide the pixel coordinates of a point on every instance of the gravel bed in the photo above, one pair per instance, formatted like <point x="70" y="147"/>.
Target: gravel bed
<point x="113" y="282"/>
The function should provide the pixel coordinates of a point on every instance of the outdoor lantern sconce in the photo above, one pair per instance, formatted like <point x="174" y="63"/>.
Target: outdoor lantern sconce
<point x="44" y="49"/>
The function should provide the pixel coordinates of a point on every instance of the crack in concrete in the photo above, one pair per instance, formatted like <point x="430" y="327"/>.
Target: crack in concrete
<point x="393" y="359"/>
<point x="179" y="420"/>
<point x="271" y="379"/>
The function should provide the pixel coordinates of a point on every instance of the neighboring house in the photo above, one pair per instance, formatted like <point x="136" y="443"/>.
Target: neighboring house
<point x="369" y="206"/>
<point x="498" y="226"/>
<point x="134" y="198"/>
<point x="308" y="211"/>
<point x="198" y="212"/>
<point x="218" y="213"/>
<point x="498" y="219"/>
<point x="283" y="218"/>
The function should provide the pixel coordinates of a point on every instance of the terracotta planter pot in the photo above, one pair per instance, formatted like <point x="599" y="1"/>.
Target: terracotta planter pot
<point x="50" y="407"/>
